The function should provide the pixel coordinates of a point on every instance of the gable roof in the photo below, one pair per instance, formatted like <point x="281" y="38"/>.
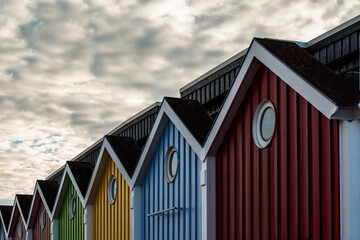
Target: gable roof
<point x="127" y="151"/>
<point x="49" y="190"/>
<point x="124" y="152"/>
<point x="193" y="115"/>
<point x="79" y="174"/>
<point x="45" y="192"/>
<point x="188" y="116"/>
<point x="325" y="90"/>
<point x="82" y="172"/>
<point x="5" y="214"/>
<point x="327" y="82"/>
<point x="21" y="206"/>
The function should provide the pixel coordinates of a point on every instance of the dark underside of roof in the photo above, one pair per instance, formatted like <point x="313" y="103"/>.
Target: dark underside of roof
<point x="126" y="150"/>
<point x="82" y="172"/>
<point x="6" y="214"/>
<point x="336" y="88"/>
<point x="193" y="115"/>
<point x="25" y="204"/>
<point x="49" y="190"/>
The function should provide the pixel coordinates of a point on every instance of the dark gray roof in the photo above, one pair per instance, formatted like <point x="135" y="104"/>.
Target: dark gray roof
<point x="25" y="204"/>
<point x="127" y="151"/>
<point x="6" y="214"/>
<point x="336" y="88"/>
<point x="82" y="172"/>
<point x="193" y="115"/>
<point x="49" y="190"/>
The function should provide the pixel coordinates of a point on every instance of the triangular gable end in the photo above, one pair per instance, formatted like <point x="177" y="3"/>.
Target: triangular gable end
<point x="38" y="196"/>
<point x="259" y="55"/>
<point x="18" y="209"/>
<point x="67" y="177"/>
<point x="168" y="112"/>
<point x="109" y="150"/>
<point x="5" y="214"/>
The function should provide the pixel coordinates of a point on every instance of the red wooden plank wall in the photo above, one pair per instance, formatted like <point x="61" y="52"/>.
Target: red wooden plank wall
<point x="44" y="234"/>
<point x="289" y="190"/>
<point x="15" y="233"/>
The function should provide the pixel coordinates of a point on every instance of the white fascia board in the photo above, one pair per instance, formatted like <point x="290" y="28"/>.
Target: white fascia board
<point x="256" y="56"/>
<point x="2" y="221"/>
<point x="149" y="148"/>
<point x="16" y="206"/>
<point x="82" y="199"/>
<point x="165" y="114"/>
<point x="31" y="211"/>
<point x="95" y="176"/>
<point x="60" y="195"/>
<point x="35" y="198"/>
<point x="117" y="161"/>
<point x="106" y="149"/>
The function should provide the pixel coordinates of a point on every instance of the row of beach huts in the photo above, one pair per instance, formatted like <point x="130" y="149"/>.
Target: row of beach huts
<point x="263" y="146"/>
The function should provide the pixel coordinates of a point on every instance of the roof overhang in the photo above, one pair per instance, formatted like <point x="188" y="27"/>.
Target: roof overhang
<point x="14" y="214"/>
<point x="38" y="197"/>
<point x="107" y="153"/>
<point x="166" y="113"/>
<point x="66" y="179"/>
<point x="257" y="56"/>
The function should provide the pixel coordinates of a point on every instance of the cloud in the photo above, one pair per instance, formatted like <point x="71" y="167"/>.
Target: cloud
<point x="72" y="70"/>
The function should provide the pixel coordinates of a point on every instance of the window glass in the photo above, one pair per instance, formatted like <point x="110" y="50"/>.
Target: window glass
<point x="264" y="123"/>
<point x="112" y="189"/>
<point x="72" y="207"/>
<point x="171" y="164"/>
<point x="42" y="219"/>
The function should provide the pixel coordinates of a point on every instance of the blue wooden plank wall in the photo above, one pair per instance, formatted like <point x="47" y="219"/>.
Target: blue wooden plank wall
<point x="184" y="192"/>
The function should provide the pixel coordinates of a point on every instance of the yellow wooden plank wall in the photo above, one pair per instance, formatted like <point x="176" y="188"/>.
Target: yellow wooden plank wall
<point x="112" y="221"/>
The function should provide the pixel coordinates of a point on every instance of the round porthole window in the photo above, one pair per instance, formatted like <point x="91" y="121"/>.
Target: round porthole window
<point x="72" y="207"/>
<point x="112" y="189"/>
<point x="20" y="229"/>
<point x="42" y="219"/>
<point x="171" y="164"/>
<point x="264" y="124"/>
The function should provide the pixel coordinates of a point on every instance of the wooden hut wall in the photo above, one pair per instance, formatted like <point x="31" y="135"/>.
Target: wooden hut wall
<point x="15" y="235"/>
<point x="289" y="190"/>
<point x="71" y="229"/>
<point x="184" y="192"/>
<point x="38" y="233"/>
<point x="112" y="221"/>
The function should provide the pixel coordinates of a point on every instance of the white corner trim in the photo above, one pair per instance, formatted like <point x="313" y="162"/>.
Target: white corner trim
<point x="349" y="138"/>
<point x="208" y="198"/>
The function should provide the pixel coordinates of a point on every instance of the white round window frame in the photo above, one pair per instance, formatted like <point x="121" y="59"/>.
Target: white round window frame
<point x="256" y="126"/>
<point x="20" y="229"/>
<point x="110" y="190"/>
<point x="72" y="207"/>
<point x="167" y="168"/>
<point x="42" y="219"/>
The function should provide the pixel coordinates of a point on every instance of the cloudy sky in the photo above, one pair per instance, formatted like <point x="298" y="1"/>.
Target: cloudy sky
<point x="72" y="70"/>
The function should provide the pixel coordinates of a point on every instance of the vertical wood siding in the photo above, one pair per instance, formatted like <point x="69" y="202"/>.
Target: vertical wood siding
<point x="38" y="233"/>
<point x="15" y="234"/>
<point x="71" y="229"/>
<point x="184" y="192"/>
<point x="289" y="190"/>
<point x="112" y="221"/>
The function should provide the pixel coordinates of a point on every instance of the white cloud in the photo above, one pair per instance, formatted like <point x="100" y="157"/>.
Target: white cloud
<point x="72" y="70"/>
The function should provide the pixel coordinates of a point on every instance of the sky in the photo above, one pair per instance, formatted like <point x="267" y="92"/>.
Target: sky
<point x="73" y="70"/>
